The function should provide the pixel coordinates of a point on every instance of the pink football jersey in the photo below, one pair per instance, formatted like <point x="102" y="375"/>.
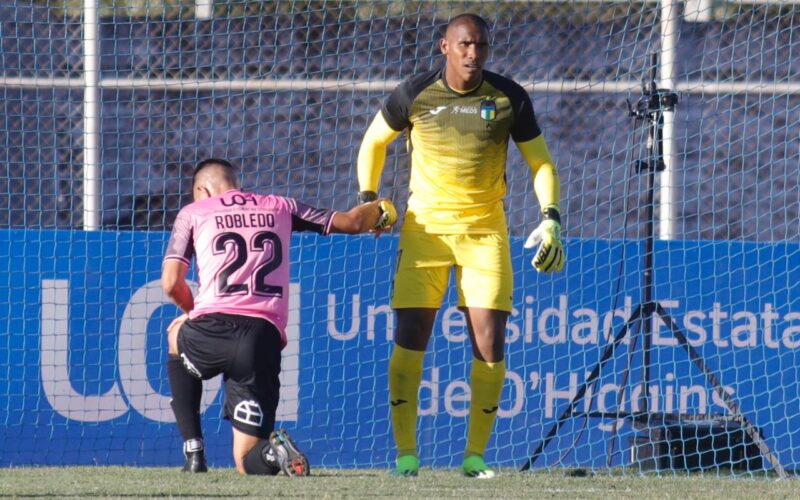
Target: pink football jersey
<point x="241" y="242"/>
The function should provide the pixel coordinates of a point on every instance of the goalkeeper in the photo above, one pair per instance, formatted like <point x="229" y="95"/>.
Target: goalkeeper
<point x="458" y="120"/>
<point x="235" y="325"/>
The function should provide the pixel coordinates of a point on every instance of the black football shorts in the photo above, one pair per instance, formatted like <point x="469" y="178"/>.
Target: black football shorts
<point x="247" y="351"/>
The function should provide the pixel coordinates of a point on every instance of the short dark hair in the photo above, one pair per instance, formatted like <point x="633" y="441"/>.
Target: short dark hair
<point x="230" y="170"/>
<point x="475" y="18"/>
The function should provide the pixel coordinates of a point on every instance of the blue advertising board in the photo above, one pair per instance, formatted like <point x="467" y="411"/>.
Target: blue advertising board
<point x="83" y="351"/>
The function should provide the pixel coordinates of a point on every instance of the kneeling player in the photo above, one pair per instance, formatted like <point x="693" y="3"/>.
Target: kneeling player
<point x="235" y="326"/>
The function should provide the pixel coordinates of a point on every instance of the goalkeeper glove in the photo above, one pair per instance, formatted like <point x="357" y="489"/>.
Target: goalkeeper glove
<point x="550" y="255"/>
<point x="366" y="197"/>
<point x="387" y="215"/>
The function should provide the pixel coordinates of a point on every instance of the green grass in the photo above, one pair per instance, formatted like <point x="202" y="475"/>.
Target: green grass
<point x="134" y="482"/>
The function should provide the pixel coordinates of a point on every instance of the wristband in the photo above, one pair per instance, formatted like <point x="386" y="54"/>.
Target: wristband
<point x="552" y="214"/>
<point x="366" y="197"/>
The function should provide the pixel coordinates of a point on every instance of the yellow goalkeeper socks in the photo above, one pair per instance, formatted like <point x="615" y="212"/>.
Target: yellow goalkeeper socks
<point x="405" y="373"/>
<point x="486" y="383"/>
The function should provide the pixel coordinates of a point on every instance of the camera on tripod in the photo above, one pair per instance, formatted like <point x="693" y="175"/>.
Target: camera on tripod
<point x="653" y="102"/>
<point x="651" y="107"/>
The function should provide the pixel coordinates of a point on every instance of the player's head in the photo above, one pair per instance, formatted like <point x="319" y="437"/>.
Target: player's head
<point x="465" y="45"/>
<point x="212" y="177"/>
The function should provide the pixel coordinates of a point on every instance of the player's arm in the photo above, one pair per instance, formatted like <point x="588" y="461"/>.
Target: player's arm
<point x="543" y="169"/>
<point x="375" y="216"/>
<point x="176" y="262"/>
<point x="550" y="254"/>
<point x="372" y="157"/>
<point x="173" y="282"/>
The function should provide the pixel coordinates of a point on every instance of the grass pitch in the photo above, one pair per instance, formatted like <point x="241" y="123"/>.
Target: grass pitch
<point x="136" y="482"/>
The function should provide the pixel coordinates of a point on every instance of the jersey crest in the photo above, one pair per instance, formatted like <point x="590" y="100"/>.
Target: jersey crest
<point x="488" y="109"/>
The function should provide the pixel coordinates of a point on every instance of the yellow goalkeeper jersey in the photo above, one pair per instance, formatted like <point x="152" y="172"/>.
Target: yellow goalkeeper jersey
<point x="458" y="144"/>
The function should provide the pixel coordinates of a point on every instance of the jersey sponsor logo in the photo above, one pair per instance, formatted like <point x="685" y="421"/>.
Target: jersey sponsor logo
<point x="239" y="199"/>
<point x="438" y="109"/>
<point x="465" y="110"/>
<point x="249" y="412"/>
<point x="488" y="110"/>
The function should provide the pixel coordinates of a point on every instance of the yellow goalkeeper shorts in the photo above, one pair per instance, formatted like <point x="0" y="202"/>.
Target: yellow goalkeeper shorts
<point x="484" y="278"/>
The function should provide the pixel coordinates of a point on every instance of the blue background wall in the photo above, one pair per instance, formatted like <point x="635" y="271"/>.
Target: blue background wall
<point x="555" y="337"/>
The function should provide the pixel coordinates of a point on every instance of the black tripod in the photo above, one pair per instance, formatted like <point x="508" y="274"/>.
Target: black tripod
<point x="650" y="108"/>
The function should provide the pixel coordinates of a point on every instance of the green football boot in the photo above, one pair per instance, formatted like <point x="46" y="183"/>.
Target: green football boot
<point x="407" y="466"/>
<point x="474" y="466"/>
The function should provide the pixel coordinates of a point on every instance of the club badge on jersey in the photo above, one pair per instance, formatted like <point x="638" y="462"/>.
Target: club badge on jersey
<point x="488" y="110"/>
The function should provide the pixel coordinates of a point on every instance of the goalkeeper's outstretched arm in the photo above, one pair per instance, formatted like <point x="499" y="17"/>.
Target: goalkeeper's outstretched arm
<point x="376" y="216"/>
<point x="372" y="157"/>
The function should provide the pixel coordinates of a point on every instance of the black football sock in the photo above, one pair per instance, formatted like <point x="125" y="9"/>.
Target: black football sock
<point x="187" y="392"/>
<point x="260" y="460"/>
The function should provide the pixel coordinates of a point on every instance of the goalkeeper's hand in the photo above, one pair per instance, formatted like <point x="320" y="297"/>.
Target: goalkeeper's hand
<point x="387" y="215"/>
<point x="550" y="255"/>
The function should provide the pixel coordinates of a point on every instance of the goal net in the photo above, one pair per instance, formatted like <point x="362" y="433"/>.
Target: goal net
<point x="107" y="106"/>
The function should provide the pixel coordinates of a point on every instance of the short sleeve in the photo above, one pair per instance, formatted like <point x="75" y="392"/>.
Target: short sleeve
<point x="525" y="126"/>
<point x="397" y="107"/>
<point x="181" y="241"/>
